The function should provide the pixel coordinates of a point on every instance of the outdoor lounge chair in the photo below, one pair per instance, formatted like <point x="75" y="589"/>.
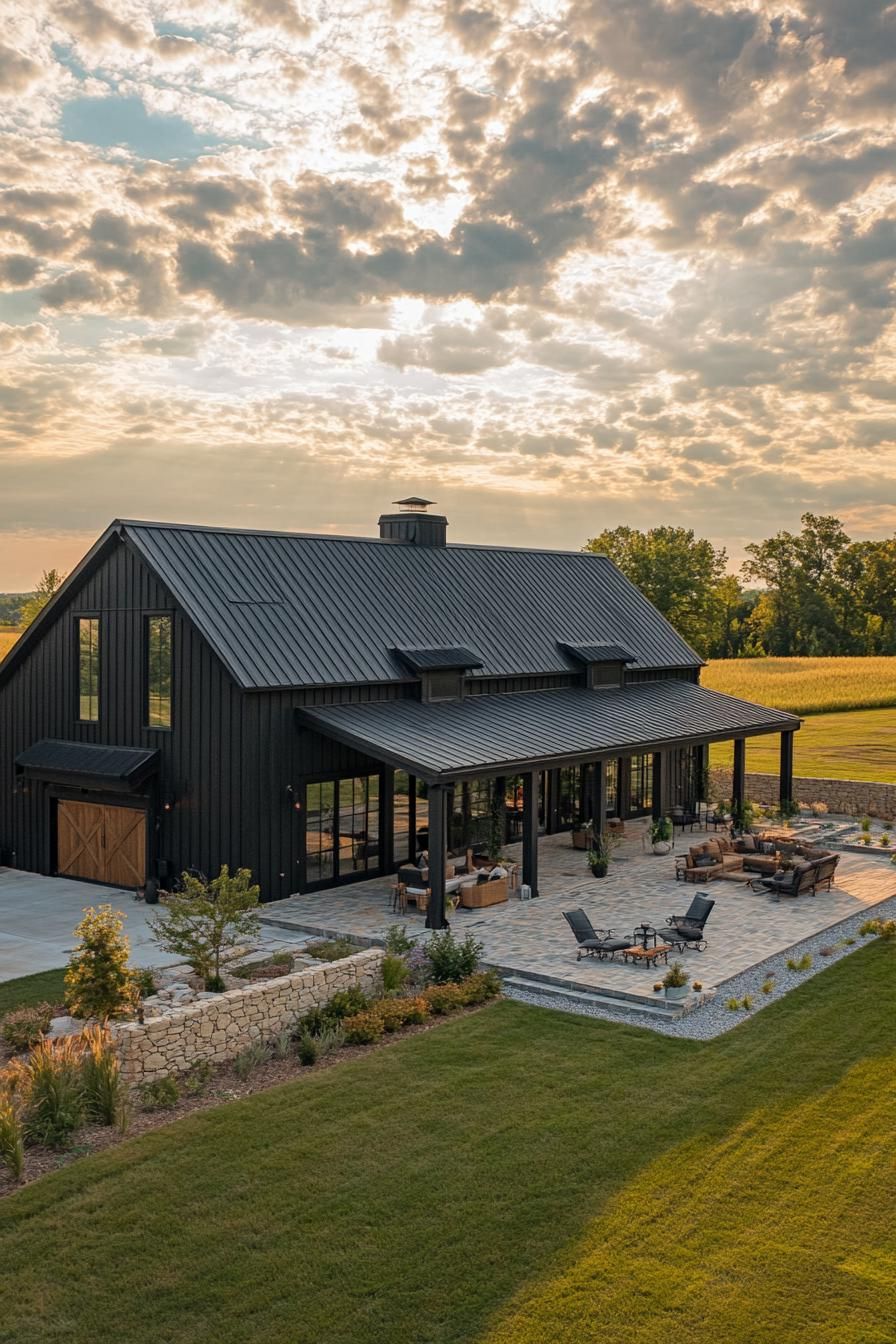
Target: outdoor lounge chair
<point x="593" y="942"/>
<point x="688" y="930"/>
<point x="797" y="881"/>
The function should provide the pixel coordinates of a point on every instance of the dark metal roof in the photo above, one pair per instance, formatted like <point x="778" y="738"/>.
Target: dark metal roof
<point x="289" y="610"/>
<point x="505" y="733"/>
<point x="52" y="758"/>
<point x="597" y="653"/>
<point x="437" y="660"/>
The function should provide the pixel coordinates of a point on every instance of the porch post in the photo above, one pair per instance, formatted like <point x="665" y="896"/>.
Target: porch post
<point x="438" y="856"/>
<point x="598" y="776"/>
<point x="657" y="785"/>
<point x="738" y="774"/>
<point x="530" y="830"/>
<point x="785" y="777"/>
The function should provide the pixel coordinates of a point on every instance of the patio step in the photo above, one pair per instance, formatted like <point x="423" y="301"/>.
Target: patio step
<point x="629" y="1003"/>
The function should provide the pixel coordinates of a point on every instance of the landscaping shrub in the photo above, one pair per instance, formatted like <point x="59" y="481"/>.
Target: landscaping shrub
<point x="281" y="1045"/>
<point x="450" y="960"/>
<point x="105" y="1095"/>
<point x="395" y="973"/>
<point x="144" y="982"/>
<point x="249" y="1059"/>
<point x="161" y="1095"/>
<point x="206" y="920"/>
<point x="24" y="1027"/>
<point x="330" y="1039"/>
<point x="332" y="949"/>
<point x="443" y="999"/>
<point x="397" y="940"/>
<point x="12" y="1138"/>
<point x="768" y="985"/>
<point x="363" y="1028"/>
<point x="733" y="1005"/>
<point x="51" y="1086"/>
<point x="882" y="928"/>
<point x="197" y="1077"/>
<point x="803" y="964"/>
<point x="307" y="1050"/>
<point x="313" y="1023"/>
<point x="346" y="1003"/>
<point x="481" y="986"/>
<point x="97" y="980"/>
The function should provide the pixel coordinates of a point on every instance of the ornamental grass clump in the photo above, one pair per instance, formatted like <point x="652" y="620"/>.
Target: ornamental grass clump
<point x="880" y="928"/>
<point x="12" y="1133"/>
<point x="105" y="1094"/>
<point x="98" y="983"/>
<point x="24" y="1027"/>
<point x="395" y="973"/>
<point x="51" y="1086"/>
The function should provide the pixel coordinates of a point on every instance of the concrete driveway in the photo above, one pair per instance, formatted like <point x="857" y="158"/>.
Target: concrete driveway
<point x="38" y="917"/>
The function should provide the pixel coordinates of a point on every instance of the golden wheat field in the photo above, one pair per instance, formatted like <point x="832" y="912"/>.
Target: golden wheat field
<point x="807" y="685"/>
<point x="7" y="639"/>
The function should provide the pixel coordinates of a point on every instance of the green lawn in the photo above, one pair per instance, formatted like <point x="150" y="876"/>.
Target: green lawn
<point x="517" y="1175"/>
<point x="45" y="987"/>
<point x="853" y="744"/>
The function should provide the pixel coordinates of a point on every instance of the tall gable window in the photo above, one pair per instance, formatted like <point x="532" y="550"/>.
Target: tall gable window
<point x="158" y="671"/>
<point x="89" y="669"/>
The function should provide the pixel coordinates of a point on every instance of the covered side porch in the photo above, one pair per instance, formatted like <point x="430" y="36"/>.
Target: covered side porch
<point x="523" y="735"/>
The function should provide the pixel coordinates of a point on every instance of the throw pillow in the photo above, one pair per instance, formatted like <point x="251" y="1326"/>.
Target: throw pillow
<point x="497" y="873"/>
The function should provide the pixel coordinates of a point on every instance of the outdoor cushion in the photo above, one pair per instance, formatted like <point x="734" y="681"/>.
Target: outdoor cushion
<point x="705" y="861"/>
<point x="688" y="931"/>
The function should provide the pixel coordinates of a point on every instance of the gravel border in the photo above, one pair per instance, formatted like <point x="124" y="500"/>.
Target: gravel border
<point x="713" y="1018"/>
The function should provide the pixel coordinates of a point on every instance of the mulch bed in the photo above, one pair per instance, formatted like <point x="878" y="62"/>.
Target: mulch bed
<point x="223" y="1086"/>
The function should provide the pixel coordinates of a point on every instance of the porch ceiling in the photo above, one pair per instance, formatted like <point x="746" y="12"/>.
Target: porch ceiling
<point x="504" y="734"/>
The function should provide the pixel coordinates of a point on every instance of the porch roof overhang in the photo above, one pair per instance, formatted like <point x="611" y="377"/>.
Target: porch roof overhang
<point x="507" y="734"/>
<point x="87" y="764"/>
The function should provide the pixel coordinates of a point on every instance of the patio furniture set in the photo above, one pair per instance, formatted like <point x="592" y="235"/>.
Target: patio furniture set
<point x="472" y="882"/>
<point x="781" y="866"/>
<point x="647" y="945"/>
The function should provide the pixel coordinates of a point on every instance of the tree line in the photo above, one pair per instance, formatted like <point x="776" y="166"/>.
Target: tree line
<point x="817" y="593"/>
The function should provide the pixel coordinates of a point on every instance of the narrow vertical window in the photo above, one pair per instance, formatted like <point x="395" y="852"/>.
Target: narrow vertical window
<point x="89" y="669"/>
<point x="158" y="671"/>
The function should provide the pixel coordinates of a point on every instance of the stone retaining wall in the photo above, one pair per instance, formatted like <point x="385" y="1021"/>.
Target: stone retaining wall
<point x="854" y="797"/>
<point x="218" y="1029"/>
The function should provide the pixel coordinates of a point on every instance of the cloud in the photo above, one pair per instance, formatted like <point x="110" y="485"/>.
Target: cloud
<point x="625" y="258"/>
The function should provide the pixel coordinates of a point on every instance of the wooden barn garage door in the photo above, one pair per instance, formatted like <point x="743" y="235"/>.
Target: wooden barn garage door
<point x="101" y="844"/>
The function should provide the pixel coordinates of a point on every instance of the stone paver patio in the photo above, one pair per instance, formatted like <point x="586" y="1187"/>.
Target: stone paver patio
<point x="532" y="939"/>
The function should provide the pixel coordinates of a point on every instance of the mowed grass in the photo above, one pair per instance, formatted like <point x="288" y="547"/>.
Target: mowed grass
<point x="44" y="987"/>
<point x="856" y="745"/>
<point x="514" y="1177"/>
<point x="7" y="639"/>
<point x="806" y="685"/>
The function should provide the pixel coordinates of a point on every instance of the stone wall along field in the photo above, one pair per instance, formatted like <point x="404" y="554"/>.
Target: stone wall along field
<point x="219" y="1029"/>
<point x="853" y="797"/>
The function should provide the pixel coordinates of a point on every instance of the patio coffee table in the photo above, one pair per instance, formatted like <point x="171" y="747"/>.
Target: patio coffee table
<point x="648" y="956"/>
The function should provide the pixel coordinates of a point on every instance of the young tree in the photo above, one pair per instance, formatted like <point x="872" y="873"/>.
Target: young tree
<point x="97" y="981"/>
<point x="204" y="921"/>
<point x="50" y="581"/>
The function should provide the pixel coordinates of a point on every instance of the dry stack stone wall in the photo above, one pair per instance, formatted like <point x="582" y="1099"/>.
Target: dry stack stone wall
<point x="218" y="1029"/>
<point x="854" y="797"/>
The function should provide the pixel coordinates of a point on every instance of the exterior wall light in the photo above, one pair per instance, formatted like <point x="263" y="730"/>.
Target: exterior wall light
<point x="294" y="797"/>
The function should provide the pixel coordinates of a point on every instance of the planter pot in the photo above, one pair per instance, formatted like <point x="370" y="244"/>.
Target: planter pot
<point x="599" y="870"/>
<point x="662" y="846"/>
<point x="151" y="892"/>
<point x="677" y="992"/>
<point x="581" y="840"/>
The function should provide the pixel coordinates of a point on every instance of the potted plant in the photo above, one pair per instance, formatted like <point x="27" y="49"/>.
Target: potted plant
<point x="598" y="855"/>
<point x="742" y="817"/>
<point x="675" y="982"/>
<point x="661" y="835"/>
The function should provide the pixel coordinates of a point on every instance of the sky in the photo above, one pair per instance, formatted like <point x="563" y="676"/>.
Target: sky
<point x="557" y="266"/>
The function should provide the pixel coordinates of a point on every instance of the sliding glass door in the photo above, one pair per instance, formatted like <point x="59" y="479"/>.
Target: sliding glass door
<point x="342" y="829"/>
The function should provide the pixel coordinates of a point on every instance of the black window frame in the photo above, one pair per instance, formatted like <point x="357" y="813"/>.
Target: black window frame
<point x="157" y="727"/>
<point x="79" y="619"/>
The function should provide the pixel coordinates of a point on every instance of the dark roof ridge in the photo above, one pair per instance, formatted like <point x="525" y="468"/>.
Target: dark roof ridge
<point x="344" y="536"/>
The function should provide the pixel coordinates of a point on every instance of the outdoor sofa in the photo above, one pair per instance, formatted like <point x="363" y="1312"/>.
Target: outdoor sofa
<point x="722" y="857"/>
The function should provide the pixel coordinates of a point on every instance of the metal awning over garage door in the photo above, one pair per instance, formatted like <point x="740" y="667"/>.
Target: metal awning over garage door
<point x="120" y="769"/>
